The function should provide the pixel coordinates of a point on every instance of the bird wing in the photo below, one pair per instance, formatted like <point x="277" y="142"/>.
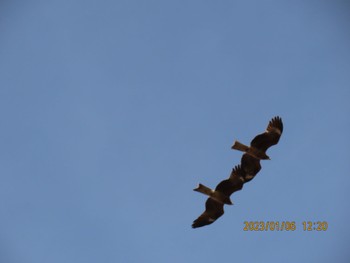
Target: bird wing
<point x="233" y="184"/>
<point x="213" y="210"/>
<point x="275" y="125"/>
<point x="250" y="165"/>
<point x="270" y="137"/>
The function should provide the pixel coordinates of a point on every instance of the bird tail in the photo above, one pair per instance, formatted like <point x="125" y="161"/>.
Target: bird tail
<point x="216" y="195"/>
<point x="240" y="146"/>
<point x="204" y="190"/>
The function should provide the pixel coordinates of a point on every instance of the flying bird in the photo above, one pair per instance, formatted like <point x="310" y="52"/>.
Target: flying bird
<point x="241" y="174"/>
<point x="262" y="142"/>
<point x="214" y="206"/>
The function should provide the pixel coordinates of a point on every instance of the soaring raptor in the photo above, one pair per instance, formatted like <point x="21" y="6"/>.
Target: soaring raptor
<point x="214" y="206"/>
<point x="245" y="172"/>
<point x="262" y="142"/>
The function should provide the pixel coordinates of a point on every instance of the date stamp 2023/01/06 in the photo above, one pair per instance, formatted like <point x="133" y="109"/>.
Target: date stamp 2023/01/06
<point x="285" y="226"/>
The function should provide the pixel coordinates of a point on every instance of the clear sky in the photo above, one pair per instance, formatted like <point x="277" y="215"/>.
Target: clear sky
<point x="111" y="112"/>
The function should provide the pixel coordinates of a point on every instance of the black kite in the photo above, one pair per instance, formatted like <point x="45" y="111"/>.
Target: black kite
<point x="214" y="207"/>
<point x="262" y="142"/>
<point x="250" y="166"/>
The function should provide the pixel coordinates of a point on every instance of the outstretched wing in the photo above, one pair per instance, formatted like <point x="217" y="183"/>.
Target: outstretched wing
<point x="250" y="165"/>
<point x="270" y="137"/>
<point x="213" y="210"/>
<point x="233" y="184"/>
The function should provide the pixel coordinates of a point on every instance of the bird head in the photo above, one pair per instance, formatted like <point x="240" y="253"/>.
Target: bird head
<point x="265" y="157"/>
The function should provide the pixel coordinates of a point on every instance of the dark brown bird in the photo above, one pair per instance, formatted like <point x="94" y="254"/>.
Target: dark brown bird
<point x="262" y="142"/>
<point x="214" y="206"/>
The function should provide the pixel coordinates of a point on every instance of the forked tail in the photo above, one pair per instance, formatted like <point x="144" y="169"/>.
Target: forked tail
<point x="240" y="146"/>
<point x="204" y="190"/>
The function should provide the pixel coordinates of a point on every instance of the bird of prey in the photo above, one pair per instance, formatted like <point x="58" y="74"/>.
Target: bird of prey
<point x="214" y="206"/>
<point x="241" y="174"/>
<point x="262" y="142"/>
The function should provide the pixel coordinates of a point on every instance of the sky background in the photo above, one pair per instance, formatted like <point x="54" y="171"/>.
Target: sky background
<point x="111" y="112"/>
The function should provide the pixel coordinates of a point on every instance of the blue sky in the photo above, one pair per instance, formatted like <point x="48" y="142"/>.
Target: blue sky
<point x="113" y="111"/>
